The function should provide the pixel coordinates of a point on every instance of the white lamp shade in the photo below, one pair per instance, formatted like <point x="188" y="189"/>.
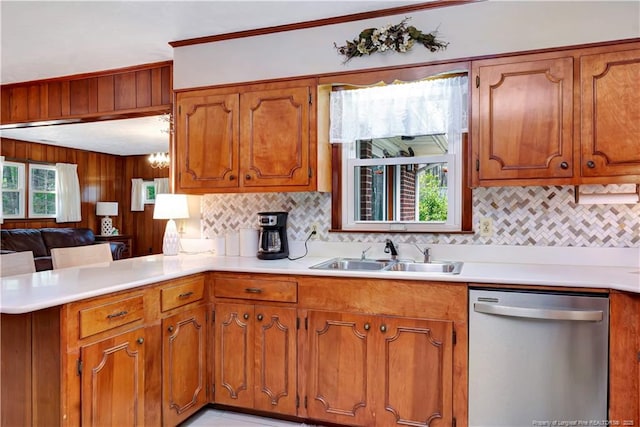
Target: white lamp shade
<point x="171" y="206"/>
<point x="107" y="208"/>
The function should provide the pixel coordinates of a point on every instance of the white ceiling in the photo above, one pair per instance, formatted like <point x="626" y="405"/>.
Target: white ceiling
<point x="43" y="39"/>
<point x="126" y="137"/>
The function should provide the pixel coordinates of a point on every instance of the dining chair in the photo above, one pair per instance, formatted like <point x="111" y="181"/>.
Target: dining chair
<point x="80" y="255"/>
<point x="17" y="263"/>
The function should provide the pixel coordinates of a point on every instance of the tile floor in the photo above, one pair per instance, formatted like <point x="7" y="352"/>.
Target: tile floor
<point x="209" y="417"/>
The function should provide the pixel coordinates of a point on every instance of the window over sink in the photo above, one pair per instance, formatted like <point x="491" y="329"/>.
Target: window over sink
<point x="402" y="154"/>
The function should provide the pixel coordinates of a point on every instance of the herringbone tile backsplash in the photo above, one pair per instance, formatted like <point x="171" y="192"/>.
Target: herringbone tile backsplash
<point x="533" y="216"/>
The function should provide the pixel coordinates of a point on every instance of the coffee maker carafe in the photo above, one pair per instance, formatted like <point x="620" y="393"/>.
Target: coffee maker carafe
<point x="273" y="235"/>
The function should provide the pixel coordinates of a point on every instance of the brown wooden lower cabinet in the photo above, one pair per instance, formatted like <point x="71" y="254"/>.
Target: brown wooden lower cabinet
<point x="112" y="376"/>
<point x="381" y="370"/>
<point x="115" y="360"/>
<point x="384" y="353"/>
<point x="349" y="351"/>
<point x="184" y="365"/>
<point x="255" y="354"/>
<point x="624" y="358"/>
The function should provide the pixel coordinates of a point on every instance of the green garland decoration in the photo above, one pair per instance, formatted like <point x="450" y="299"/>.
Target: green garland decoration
<point x="399" y="38"/>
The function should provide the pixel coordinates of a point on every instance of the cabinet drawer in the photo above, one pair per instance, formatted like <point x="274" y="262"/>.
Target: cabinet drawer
<point x="256" y="289"/>
<point x="101" y="318"/>
<point x="182" y="293"/>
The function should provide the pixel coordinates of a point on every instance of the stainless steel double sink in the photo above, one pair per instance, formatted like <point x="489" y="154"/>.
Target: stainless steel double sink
<point x="358" y="264"/>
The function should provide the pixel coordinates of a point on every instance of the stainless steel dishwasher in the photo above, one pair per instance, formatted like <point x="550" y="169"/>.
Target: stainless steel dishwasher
<point x="537" y="358"/>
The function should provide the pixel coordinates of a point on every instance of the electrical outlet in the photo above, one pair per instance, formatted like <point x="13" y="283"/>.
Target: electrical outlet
<point x="486" y="227"/>
<point x="314" y="227"/>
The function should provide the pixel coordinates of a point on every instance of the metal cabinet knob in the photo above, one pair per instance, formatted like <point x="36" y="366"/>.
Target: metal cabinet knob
<point x="591" y="164"/>
<point x="260" y="317"/>
<point x="232" y="177"/>
<point x="140" y="340"/>
<point x="246" y="316"/>
<point x="247" y="177"/>
<point x="170" y="329"/>
<point x="564" y="165"/>
<point x="383" y="328"/>
<point x="367" y="326"/>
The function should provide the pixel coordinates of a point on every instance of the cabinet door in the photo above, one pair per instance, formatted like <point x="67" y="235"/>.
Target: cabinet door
<point x="610" y="113"/>
<point x="234" y="355"/>
<point x="414" y="368"/>
<point x="339" y="382"/>
<point x="275" y="363"/>
<point x="524" y="120"/>
<point x="183" y="365"/>
<point x="112" y="381"/>
<point x="207" y="140"/>
<point x="274" y="137"/>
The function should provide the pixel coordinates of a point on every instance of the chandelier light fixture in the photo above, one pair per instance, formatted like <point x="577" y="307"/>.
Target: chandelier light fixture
<point x="159" y="160"/>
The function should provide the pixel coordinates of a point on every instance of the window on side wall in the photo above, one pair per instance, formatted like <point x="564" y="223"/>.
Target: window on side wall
<point x="402" y="156"/>
<point x="13" y="190"/>
<point x="28" y="190"/>
<point x="42" y="191"/>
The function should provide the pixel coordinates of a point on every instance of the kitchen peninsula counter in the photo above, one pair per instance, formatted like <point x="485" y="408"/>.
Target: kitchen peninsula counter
<point x="156" y="318"/>
<point x="31" y="292"/>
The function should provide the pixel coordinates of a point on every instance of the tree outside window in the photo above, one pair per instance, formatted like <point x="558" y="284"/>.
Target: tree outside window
<point x="13" y="190"/>
<point x="42" y="191"/>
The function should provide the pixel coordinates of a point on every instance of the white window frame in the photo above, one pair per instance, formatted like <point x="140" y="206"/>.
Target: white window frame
<point x="454" y="192"/>
<point x="33" y="167"/>
<point x="21" y="190"/>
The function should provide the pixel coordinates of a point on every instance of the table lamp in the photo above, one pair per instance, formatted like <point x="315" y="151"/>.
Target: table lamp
<point x="171" y="206"/>
<point x="106" y="209"/>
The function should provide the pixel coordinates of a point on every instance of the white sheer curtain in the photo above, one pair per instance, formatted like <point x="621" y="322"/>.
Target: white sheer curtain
<point x="162" y="185"/>
<point x="68" y="193"/>
<point x="137" y="194"/>
<point x="403" y="109"/>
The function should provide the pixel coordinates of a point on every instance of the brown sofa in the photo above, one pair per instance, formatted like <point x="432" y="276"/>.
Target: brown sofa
<point x="41" y="240"/>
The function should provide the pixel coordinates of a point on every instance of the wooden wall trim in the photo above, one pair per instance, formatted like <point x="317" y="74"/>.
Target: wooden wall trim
<point x="321" y="22"/>
<point x="101" y="73"/>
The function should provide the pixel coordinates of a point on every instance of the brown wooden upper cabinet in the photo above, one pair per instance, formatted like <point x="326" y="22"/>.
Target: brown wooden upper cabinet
<point x="562" y="118"/>
<point x="610" y="119"/>
<point x="523" y="119"/>
<point x="250" y="138"/>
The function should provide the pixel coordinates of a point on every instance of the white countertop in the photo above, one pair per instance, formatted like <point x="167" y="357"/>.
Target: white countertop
<point x="614" y="269"/>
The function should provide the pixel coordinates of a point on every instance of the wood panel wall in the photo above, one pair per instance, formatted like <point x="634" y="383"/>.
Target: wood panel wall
<point x="139" y="90"/>
<point x="147" y="232"/>
<point x="103" y="177"/>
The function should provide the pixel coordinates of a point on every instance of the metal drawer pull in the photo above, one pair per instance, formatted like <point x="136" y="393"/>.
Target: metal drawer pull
<point x="119" y="314"/>
<point x="539" y="313"/>
<point x="186" y="294"/>
<point x="140" y="340"/>
<point x="253" y="290"/>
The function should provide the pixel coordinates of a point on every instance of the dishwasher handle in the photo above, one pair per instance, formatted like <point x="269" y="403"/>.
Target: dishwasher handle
<point x="539" y="313"/>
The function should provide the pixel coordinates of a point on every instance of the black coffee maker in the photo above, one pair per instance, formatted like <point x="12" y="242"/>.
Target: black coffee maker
<point x="273" y="235"/>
